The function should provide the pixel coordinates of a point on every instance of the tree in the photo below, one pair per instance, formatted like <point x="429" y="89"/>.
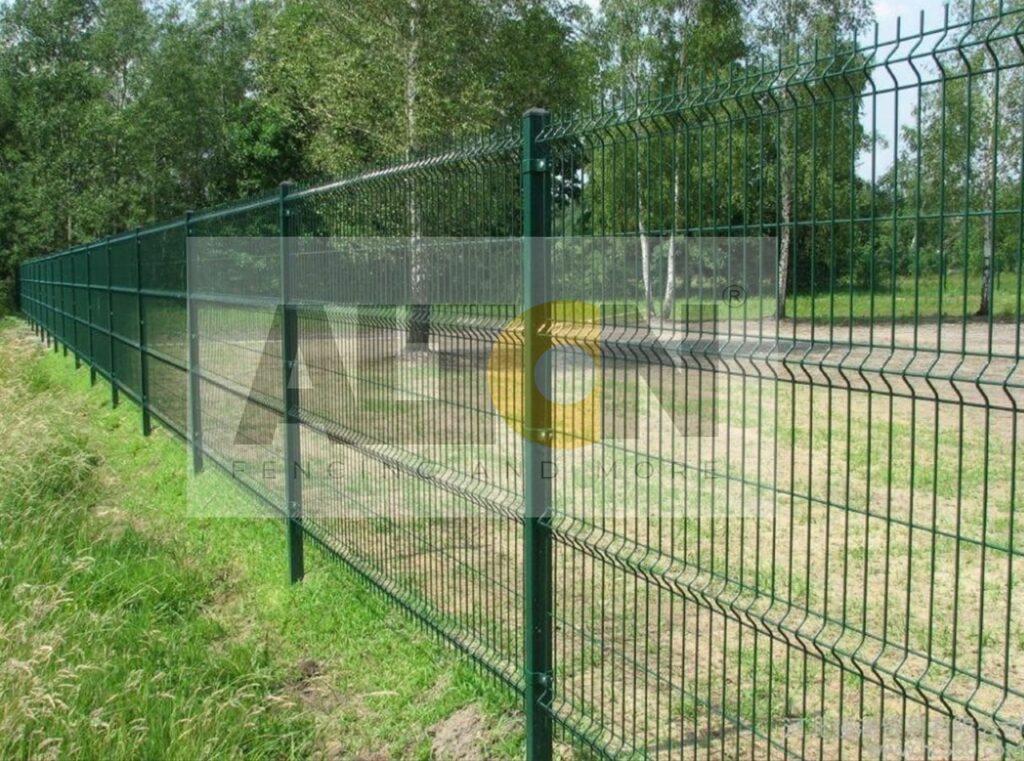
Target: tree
<point x="966" y="140"/>
<point x="647" y="50"/>
<point x="117" y="113"/>
<point x="384" y="79"/>
<point x="55" y="103"/>
<point x="203" y="133"/>
<point x="784" y="28"/>
<point x="388" y="79"/>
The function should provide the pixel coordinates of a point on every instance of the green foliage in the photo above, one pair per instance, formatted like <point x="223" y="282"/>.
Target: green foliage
<point x="388" y="78"/>
<point x="966" y="141"/>
<point x="7" y="295"/>
<point x="115" y="113"/>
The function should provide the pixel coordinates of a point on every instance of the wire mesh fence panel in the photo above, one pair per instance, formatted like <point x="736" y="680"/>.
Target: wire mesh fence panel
<point x="408" y="474"/>
<point x="163" y="321"/>
<point x="233" y="289"/>
<point x="803" y="535"/>
<point x="122" y="253"/>
<point x="80" y="302"/>
<point x="693" y="419"/>
<point x="100" y="302"/>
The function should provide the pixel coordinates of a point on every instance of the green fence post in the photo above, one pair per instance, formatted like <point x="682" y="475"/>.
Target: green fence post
<point x="147" y="423"/>
<point x="195" y="416"/>
<point x="92" y="322"/>
<point x="63" y="309"/>
<point x="51" y="320"/>
<point x="58" y="306"/>
<point x="74" y="303"/>
<point x="64" y="305"/>
<point x="114" y="397"/>
<point x="40" y="277"/>
<point x="30" y="309"/>
<point x="54" y="301"/>
<point x="40" y="285"/>
<point x="537" y="577"/>
<point x="77" y="350"/>
<point x="290" y="397"/>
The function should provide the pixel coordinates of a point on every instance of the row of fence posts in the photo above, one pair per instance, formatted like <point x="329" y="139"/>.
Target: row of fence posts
<point x="537" y="423"/>
<point x="51" y="338"/>
<point x="289" y="380"/>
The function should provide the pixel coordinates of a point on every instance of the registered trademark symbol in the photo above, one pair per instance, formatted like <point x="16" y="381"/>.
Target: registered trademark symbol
<point x="734" y="294"/>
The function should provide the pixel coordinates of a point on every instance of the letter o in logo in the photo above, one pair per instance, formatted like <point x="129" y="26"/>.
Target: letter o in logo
<point x="571" y="324"/>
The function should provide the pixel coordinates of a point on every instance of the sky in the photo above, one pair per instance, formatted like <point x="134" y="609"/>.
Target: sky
<point x="887" y="11"/>
<point x="888" y="119"/>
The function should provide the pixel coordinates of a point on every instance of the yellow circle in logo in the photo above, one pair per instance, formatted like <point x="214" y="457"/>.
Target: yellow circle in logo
<point x="570" y="324"/>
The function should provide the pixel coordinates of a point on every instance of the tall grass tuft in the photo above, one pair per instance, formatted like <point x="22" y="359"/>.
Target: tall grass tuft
<point x="106" y="647"/>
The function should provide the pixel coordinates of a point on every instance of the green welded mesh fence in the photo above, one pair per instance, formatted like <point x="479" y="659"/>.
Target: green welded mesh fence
<point x="694" y="420"/>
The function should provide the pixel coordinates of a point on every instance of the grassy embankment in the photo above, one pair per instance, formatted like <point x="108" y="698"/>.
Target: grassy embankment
<point x="129" y="630"/>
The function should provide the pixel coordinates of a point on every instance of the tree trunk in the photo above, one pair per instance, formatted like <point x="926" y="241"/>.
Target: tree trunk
<point x="418" y="332"/>
<point x="646" y="248"/>
<point x="988" y="247"/>
<point x="787" y="175"/>
<point x="785" y="245"/>
<point x="986" y="274"/>
<point x="668" y="303"/>
<point x="789" y="29"/>
<point x="645" y="265"/>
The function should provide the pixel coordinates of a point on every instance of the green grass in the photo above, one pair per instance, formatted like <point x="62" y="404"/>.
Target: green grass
<point x="129" y="629"/>
<point x="920" y="300"/>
